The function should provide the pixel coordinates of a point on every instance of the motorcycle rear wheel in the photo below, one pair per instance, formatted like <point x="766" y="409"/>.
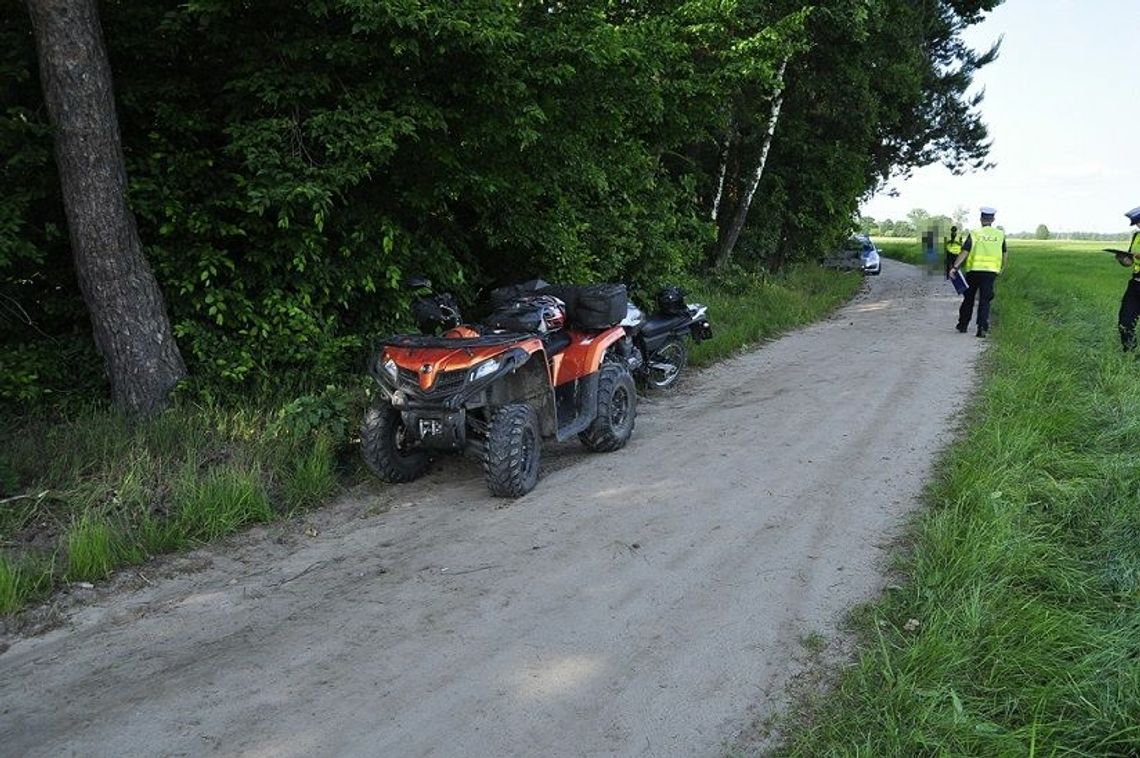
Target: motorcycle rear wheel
<point x="663" y="368"/>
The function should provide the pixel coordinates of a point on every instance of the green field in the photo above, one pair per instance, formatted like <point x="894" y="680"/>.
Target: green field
<point x="1016" y="630"/>
<point x="909" y="251"/>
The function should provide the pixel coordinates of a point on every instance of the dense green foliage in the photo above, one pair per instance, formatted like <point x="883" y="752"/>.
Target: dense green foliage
<point x="291" y="163"/>
<point x="1017" y="629"/>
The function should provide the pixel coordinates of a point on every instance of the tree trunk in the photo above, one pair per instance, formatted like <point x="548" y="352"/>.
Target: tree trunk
<point x="732" y="233"/>
<point x="128" y="315"/>
<point x="714" y="214"/>
<point x="780" y="254"/>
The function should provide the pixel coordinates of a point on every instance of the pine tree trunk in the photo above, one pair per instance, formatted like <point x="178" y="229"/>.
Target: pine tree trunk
<point x="732" y="232"/>
<point x="128" y="315"/>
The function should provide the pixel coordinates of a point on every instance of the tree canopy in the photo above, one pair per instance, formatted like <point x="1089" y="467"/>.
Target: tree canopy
<point x="290" y="163"/>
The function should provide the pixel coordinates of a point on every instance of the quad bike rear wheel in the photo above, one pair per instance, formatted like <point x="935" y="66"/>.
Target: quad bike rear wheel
<point x="663" y="368"/>
<point x="617" y="410"/>
<point x="386" y="452"/>
<point x="513" y="451"/>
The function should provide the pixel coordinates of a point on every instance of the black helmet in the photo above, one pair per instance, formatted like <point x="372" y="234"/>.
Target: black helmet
<point x="671" y="301"/>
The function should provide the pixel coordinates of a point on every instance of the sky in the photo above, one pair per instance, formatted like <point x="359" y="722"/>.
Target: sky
<point x="1062" y="103"/>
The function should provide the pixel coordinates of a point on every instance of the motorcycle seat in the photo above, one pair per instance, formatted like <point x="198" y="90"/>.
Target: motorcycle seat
<point x="556" y="342"/>
<point x="656" y="324"/>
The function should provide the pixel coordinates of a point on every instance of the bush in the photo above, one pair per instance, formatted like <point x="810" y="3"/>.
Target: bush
<point x="313" y="416"/>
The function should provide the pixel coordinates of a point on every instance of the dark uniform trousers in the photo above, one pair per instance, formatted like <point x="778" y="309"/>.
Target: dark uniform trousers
<point x="950" y="258"/>
<point x="981" y="287"/>
<point x="1129" y="311"/>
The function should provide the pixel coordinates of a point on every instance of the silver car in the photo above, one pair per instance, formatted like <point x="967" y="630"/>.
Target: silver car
<point x="869" y="254"/>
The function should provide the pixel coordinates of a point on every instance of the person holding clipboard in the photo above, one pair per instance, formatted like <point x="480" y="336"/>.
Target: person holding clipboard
<point x="984" y="253"/>
<point x="1130" y="303"/>
<point x="953" y="246"/>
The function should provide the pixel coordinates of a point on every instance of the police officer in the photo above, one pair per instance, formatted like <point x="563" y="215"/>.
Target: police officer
<point x="953" y="247"/>
<point x="984" y="253"/>
<point x="1130" y="303"/>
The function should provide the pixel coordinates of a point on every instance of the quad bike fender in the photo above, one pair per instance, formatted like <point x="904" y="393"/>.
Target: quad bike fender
<point x="585" y="354"/>
<point x="527" y="381"/>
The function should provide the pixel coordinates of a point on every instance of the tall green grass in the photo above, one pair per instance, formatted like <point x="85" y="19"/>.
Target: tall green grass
<point x="219" y="502"/>
<point x="746" y="307"/>
<point x="309" y="478"/>
<point x="90" y="548"/>
<point x="1017" y="631"/>
<point x="22" y="580"/>
<point x="93" y="491"/>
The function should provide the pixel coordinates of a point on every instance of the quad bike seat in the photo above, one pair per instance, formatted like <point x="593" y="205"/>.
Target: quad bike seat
<point x="660" y="324"/>
<point x="555" y="342"/>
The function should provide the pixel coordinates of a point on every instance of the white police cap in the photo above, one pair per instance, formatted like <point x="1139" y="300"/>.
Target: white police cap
<point x="988" y="211"/>
<point x="1134" y="214"/>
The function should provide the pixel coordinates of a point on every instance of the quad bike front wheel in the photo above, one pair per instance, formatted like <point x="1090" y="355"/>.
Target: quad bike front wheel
<point x="617" y="410"/>
<point x="513" y="450"/>
<point x="386" y="452"/>
<point x="663" y="368"/>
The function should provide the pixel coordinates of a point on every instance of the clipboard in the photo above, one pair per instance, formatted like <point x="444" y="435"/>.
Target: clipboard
<point x="1123" y="257"/>
<point x="958" y="279"/>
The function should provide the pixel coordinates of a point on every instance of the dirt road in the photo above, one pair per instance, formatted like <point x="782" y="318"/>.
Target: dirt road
<point x="650" y="602"/>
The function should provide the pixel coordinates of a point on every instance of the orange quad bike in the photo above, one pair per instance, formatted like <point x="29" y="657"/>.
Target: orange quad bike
<point x="547" y="364"/>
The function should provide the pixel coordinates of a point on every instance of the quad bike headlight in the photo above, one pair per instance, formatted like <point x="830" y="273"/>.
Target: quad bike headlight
<point x="389" y="369"/>
<point x="484" y="369"/>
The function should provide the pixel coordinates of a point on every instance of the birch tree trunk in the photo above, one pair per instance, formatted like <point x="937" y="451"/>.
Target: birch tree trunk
<point x="732" y="233"/>
<point x="714" y="214"/>
<point x="128" y="315"/>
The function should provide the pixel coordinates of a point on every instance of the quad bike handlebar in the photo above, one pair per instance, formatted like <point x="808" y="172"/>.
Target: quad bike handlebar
<point x="436" y="312"/>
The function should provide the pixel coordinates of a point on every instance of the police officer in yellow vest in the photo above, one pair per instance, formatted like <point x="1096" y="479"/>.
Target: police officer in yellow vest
<point x="985" y="254"/>
<point x="953" y="247"/>
<point x="1130" y="303"/>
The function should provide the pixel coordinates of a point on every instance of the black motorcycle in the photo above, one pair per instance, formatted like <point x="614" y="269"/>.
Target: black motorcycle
<point x="660" y="341"/>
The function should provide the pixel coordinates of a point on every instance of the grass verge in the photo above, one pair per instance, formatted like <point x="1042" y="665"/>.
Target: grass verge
<point x="89" y="491"/>
<point x="746" y="307"/>
<point x="86" y="492"/>
<point x="1018" y="630"/>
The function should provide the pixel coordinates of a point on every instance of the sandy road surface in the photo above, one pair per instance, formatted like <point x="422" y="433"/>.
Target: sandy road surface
<point x="648" y="602"/>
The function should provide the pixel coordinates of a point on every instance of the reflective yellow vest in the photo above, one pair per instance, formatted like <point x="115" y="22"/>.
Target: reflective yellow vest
<point x="1134" y="248"/>
<point x="954" y="246"/>
<point x="985" y="249"/>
